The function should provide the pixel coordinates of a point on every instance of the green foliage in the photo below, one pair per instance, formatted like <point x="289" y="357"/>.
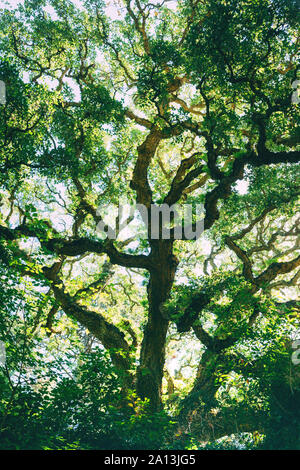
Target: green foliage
<point x="84" y="409"/>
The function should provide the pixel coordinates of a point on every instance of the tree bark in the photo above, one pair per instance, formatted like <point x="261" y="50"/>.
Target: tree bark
<point x="152" y="357"/>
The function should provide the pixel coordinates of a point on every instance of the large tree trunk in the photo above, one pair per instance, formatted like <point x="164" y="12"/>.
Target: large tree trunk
<point x="204" y="390"/>
<point x="200" y="413"/>
<point x="152" y="358"/>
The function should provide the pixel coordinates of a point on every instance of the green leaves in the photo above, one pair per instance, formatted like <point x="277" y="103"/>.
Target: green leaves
<point x="98" y="105"/>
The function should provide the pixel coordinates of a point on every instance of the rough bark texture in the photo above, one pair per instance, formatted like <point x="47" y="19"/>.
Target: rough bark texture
<point x="152" y="359"/>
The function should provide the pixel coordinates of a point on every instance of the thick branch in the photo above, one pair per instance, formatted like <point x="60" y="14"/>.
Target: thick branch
<point x="79" y="246"/>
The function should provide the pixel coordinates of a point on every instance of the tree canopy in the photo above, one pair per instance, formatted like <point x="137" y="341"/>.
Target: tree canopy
<point x="149" y="341"/>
